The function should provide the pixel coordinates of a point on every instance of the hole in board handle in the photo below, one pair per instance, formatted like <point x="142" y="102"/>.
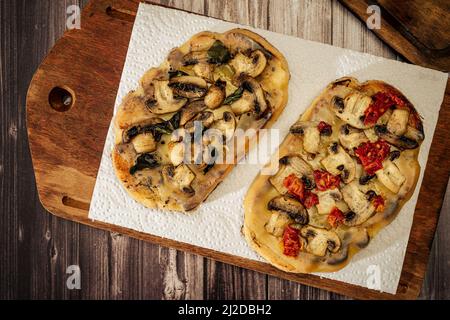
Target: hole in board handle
<point x="70" y="202"/>
<point x="61" y="99"/>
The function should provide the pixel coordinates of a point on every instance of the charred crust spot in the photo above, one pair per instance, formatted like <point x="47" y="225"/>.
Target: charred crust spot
<point x="338" y="103"/>
<point x="189" y="191"/>
<point x="394" y="155"/>
<point x="284" y="160"/>
<point x="412" y="144"/>
<point x="150" y="103"/>
<point x="227" y="116"/>
<point x="170" y="171"/>
<point x="310" y="233"/>
<point x="344" y="82"/>
<point x="247" y="86"/>
<point x="345" y="129"/>
<point x="365" y="179"/>
<point x="190" y="62"/>
<point x="307" y="182"/>
<point x="349" y="216"/>
<point x="370" y="195"/>
<point x="220" y="84"/>
<point x="380" y="129"/>
<point x="331" y="245"/>
<point x="257" y="107"/>
<point x="326" y="132"/>
<point x="334" y="147"/>
<point x="298" y="130"/>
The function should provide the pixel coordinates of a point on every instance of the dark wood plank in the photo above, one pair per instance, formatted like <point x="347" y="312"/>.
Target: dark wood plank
<point x="437" y="280"/>
<point x="416" y="29"/>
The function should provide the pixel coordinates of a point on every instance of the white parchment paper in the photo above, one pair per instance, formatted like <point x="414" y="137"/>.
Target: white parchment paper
<point x="216" y="224"/>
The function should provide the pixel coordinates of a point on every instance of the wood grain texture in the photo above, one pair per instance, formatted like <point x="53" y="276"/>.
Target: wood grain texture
<point x="38" y="247"/>
<point x="417" y="29"/>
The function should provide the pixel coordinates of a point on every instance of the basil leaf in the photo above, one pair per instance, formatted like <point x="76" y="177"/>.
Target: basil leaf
<point x="234" y="96"/>
<point x="218" y="53"/>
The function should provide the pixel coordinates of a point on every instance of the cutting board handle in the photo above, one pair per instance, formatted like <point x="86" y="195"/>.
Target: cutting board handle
<point x="70" y="103"/>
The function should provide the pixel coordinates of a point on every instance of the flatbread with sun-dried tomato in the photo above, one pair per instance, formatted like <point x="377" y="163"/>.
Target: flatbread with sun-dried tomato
<point x="345" y="170"/>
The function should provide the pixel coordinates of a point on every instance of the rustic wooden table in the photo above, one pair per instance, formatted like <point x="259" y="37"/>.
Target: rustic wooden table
<point x="38" y="247"/>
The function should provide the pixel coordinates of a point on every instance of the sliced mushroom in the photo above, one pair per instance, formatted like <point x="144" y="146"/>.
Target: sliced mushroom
<point x="320" y="241"/>
<point x="252" y="65"/>
<point x="202" y="120"/>
<point x="164" y="101"/>
<point x="350" y="137"/>
<point x="339" y="162"/>
<point x="216" y="95"/>
<point x="402" y="141"/>
<point x="361" y="208"/>
<point x="189" y="86"/>
<point x="191" y="110"/>
<point x="277" y="223"/>
<point x="390" y="176"/>
<point x="310" y="133"/>
<point x="292" y="165"/>
<point x="244" y="104"/>
<point x="204" y="70"/>
<point x="260" y="104"/>
<point x="290" y="206"/>
<point x="227" y="125"/>
<point x="181" y="177"/>
<point x="176" y="152"/>
<point x="316" y="219"/>
<point x="239" y="42"/>
<point x="398" y="122"/>
<point x="195" y="57"/>
<point x="327" y="200"/>
<point x="351" y="109"/>
<point x="144" y="142"/>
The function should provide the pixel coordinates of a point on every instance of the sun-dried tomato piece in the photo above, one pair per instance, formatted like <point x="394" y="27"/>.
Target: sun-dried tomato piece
<point x="378" y="203"/>
<point x="296" y="187"/>
<point x="291" y="242"/>
<point x="372" y="154"/>
<point x="325" y="180"/>
<point x="311" y="199"/>
<point x="381" y="102"/>
<point x="335" y="218"/>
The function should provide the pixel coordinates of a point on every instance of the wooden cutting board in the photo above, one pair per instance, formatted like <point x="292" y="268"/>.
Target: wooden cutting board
<point x="417" y="29"/>
<point x="69" y="107"/>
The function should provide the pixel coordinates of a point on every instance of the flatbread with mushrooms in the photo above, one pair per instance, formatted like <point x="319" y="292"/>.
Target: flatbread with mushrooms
<point x="346" y="168"/>
<point x="220" y="81"/>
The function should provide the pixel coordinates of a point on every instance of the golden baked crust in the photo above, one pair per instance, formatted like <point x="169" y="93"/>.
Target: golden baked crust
<point x="263" y="227"/>
<point x="180" y="85"/>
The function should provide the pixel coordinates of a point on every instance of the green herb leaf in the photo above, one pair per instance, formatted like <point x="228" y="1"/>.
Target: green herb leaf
<point x="234" y="96"/>
<point x="218" y="53"/>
